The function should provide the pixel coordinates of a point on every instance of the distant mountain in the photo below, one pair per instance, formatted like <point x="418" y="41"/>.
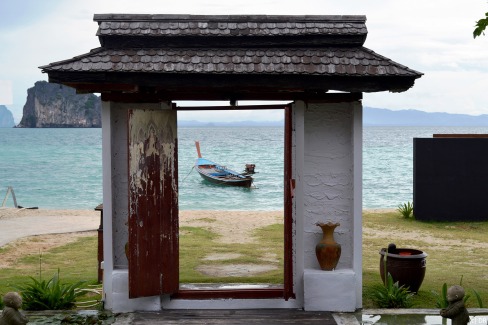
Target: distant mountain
<point x="53" y="105"/>
<point x="6" y="117"/>
<point x="376" y="117"/>
<point x="239" y="123"/>
<point x="411" y="117"/>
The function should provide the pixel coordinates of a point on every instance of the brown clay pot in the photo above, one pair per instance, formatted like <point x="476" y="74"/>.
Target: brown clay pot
<point x="328" y="251"/>
<point x="406" y="266"/>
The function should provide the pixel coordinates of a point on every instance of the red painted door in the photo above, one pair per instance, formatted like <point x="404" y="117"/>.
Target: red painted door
<point x="153" y="203"/>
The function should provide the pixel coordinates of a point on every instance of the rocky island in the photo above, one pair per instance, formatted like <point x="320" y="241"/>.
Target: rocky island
<point x="6" y="117"/>
<point x="52" y="105"/>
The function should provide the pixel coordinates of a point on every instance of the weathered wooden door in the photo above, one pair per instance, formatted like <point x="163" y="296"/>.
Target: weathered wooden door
<point x="153" y="203"/>
<point x="289" y="182"/>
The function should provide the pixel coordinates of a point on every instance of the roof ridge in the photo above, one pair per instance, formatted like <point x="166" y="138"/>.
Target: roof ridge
<point x="230" y="18"/>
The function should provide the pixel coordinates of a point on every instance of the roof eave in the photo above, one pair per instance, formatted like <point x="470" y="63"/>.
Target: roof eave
<point x="219" y="85"/>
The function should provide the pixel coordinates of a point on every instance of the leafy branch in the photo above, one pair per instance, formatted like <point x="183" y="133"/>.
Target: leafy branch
<point x="481" y="26"/>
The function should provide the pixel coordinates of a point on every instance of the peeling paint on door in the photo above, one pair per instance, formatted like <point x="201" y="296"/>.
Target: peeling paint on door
<point x="153" y="203"/>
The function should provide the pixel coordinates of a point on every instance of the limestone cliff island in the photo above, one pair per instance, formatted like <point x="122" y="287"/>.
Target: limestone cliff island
<point x="51" y="105"/>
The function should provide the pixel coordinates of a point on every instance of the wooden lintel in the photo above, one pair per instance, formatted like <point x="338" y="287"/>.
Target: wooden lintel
<point x="157" y="97"/>
<point x="85" y="88"/>
<point x="338" y="98"/>
<point x="230" y="108"/>
<point x="132" y="97"/>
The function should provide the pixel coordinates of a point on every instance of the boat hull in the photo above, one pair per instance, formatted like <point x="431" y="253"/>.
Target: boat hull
<point x="220" y="175"/>
<point x="247" y="182"/>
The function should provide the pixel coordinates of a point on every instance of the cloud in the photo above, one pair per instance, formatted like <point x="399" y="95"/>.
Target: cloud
<point x="433" y="37"/>
<point x="6" y="97"/>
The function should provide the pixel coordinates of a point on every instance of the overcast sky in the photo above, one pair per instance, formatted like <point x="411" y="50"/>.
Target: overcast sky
<point x="430" y="36"/>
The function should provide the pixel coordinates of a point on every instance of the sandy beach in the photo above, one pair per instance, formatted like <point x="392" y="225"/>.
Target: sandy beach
<point x="231" y="225"/>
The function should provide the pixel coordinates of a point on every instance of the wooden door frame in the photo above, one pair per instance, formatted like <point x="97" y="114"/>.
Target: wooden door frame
<point x="287" y="291"/>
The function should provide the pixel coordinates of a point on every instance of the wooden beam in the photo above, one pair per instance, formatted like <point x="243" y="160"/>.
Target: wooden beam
<point x="230" y="108"/>
<point x="192" y="86"/>
<point x="82" y="88"/>
<point x="157" y="97"/>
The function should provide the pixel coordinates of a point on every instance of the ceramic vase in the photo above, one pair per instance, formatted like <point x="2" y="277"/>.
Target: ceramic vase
<point x="328" y="251"/>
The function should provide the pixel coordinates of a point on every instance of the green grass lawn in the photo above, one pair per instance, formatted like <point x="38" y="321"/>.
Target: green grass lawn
<point x="76" y="261"/>
<point x="196" y="244"/>
<point x="455" y="250"/>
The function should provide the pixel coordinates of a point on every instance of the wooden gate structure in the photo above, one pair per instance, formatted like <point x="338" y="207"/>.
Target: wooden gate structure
<point x="145" y="63"/>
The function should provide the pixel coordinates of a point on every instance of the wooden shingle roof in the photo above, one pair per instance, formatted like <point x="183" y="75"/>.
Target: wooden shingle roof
<point x="316" y="61"/>
<point x="222" y="57"/>
<point x="238" y="30"/>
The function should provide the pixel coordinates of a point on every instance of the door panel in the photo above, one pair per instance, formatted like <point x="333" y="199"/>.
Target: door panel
<point x="288" y="201"/>
<point x="153" y="203"/>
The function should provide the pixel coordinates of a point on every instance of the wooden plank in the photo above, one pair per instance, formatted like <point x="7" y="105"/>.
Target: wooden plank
<point x="260" y="316"/>
<point x="153" y="205"/>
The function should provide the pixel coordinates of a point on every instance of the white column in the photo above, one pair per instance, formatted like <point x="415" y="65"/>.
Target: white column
<point x="358" y="201"/>
<point x="298" y="144"/>
<point x="331" y="177"/>
<point x="107" y="204"/>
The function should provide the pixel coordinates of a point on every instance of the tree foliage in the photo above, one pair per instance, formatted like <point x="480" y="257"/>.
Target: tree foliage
<point x="481" y="26"/>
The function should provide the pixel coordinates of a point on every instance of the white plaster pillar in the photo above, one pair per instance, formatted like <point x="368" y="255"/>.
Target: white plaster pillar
<point x="332" y="192"/>
<point x="107" y="204"/>
<point x="358" y="200"/>
<point x="298" y="144"/>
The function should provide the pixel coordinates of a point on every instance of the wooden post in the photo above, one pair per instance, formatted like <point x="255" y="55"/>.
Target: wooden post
<point x="197" y="144"/>
<point x="10" y="189"/>
<point x="100" y="244"/>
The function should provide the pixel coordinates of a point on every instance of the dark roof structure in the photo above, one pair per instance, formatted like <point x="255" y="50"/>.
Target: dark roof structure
<point x="178" y="57"/>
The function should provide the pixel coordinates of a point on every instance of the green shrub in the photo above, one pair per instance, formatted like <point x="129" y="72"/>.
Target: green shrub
<point x="478" y="298"/>
<point x="406" y="210"/>
<point x="391" y="295"/>
<point x="50" y="295"/>
<point x="441" y="298"/>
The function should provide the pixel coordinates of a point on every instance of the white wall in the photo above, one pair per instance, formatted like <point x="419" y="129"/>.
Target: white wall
<point x="328" y="178"/>
<point x="331" y="192"/>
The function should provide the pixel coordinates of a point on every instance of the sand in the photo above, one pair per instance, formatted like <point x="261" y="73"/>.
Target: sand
<point x="232" y="226"/>
<point x="53" y="228"/>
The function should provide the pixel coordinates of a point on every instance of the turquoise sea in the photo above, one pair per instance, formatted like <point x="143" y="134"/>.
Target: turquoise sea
<point x="62" y="168"/>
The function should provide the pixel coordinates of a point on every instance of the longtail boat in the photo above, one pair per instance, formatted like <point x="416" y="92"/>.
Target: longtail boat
<point x="218" y="174"/>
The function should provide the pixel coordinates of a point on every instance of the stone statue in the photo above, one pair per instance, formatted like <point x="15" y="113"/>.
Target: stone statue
<point x="456" y="310"/>
<point x="11" y="314"/>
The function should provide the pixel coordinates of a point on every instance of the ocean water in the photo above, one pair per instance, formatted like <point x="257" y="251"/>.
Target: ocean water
<point x="62" y="168"/>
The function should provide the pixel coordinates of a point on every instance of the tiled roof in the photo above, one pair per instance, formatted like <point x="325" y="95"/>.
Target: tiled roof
<point x="191" y="25"/>
<point x="303" y="54"/>
<point x="354" y="62"/>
